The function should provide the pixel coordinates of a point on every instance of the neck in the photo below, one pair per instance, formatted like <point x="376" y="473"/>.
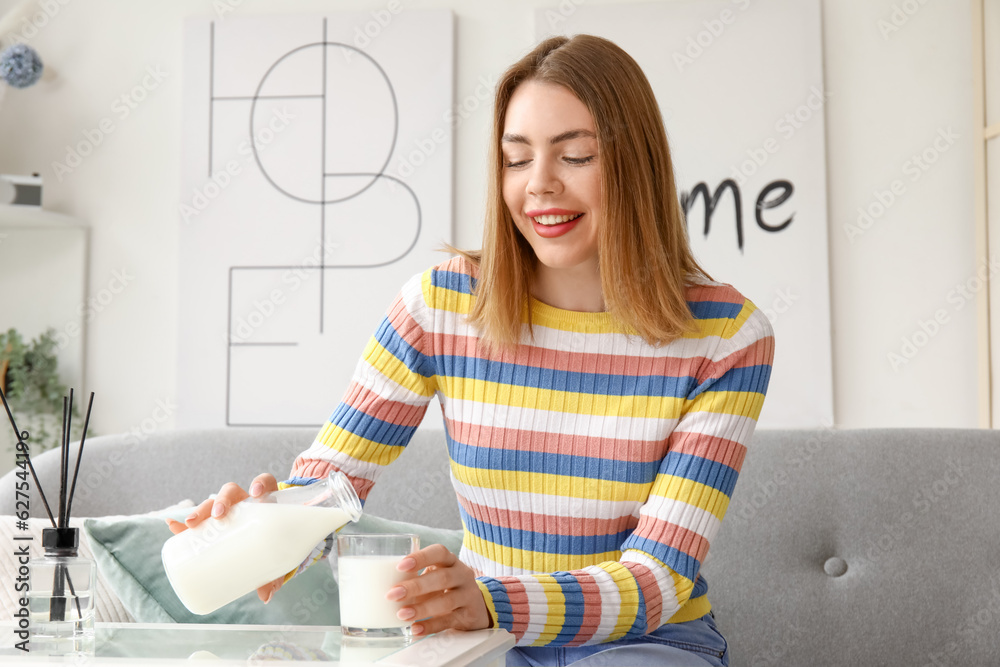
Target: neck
<point x="577" y="288"/>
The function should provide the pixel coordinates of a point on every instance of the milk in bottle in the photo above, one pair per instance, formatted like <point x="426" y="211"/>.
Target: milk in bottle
<point x="259" y="540"/>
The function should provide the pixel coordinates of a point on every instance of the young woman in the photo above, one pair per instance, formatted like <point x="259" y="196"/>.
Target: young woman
<point x="598" y="388"/>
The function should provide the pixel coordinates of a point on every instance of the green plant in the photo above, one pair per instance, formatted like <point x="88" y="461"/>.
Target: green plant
<point x="30" y="380"/>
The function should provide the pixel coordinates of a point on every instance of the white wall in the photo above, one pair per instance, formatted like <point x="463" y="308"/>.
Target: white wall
<point x="891" y="95"/>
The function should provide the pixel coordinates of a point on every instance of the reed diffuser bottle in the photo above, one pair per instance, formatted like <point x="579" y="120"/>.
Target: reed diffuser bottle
<point x="61" y="596"/>
<point x="60" y="584"/>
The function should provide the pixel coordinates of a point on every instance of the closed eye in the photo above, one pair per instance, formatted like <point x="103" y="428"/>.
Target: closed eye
<point x="580" y="160"/>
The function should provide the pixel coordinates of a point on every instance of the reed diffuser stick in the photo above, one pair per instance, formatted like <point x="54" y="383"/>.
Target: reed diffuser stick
<point x="79" y="453"/>
<point x="22" y="439"/>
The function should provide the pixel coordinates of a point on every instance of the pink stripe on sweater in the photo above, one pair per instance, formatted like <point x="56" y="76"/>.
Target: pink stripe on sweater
<point x="717" y="293"/>
<point x="650" y="593"/>
<point x="545" y="523"/>
<point x="373" y="405"/>
<point x="684" y="540"/>
<point x="318" y="469"/>
<point x="557" y="443"/>
<point x="520" y="608"/>
<point x="758" y="353"/>
<point x="591" y="619"/>
<point x="721" y="450"/>
<point x="579" y="362"/>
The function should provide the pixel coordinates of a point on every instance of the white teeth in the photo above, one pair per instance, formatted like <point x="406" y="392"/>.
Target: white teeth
<point x="555" y="219"/>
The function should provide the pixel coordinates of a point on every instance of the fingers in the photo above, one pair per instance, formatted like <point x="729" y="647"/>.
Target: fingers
<point x="228" y="495"/>
<point x="461" y="619"/>
<point x="267" y="591"/>
<point x="445" y="595"/>
<point x="200" y="513"/>
<point x="261" y="484"/>
<point x="435" y="554"/>
<point x="175" y="526"/>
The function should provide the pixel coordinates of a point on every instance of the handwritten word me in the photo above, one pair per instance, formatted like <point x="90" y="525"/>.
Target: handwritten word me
<point x="782" y="188"/>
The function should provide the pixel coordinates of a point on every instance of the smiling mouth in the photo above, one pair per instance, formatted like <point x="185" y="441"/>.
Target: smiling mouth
<point x="550" y="220"/>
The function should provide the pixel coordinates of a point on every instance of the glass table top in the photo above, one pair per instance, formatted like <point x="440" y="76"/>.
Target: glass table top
<point x="251" y="644"/>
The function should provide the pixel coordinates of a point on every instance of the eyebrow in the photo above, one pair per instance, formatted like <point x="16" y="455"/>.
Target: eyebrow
<point x="564" y="136"/>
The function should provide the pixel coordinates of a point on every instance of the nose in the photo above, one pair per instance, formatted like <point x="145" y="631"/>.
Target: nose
<point x="544" y="178"/>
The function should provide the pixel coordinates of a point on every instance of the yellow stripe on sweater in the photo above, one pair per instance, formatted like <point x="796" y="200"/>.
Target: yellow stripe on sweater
<point x="555" y="616"/>
<point x="691" y="492"/>
<point x="729" y="403"/>
<point x="534" y="561"/>
<point x="362" y="449"/>
<point x="388" y="364"/>
<point x="495" y="393"/>
<point x="550" y="484"/>
<point x="629" y="590"/>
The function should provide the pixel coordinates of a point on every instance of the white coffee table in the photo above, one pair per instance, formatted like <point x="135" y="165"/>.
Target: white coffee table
<point x="180" y="643"/>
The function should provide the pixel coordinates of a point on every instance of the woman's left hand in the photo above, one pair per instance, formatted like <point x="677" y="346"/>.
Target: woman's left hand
<point x="444" y="596"/>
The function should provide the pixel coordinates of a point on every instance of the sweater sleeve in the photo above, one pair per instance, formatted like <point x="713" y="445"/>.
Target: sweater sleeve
<point x="390" y="390"/>
<point x="657" y="572"/>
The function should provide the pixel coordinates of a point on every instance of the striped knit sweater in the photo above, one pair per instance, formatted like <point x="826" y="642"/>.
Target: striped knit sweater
<point x="592" y="469"/>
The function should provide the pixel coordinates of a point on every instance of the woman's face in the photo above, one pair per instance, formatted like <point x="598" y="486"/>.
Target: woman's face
<point x="552" y="174"/>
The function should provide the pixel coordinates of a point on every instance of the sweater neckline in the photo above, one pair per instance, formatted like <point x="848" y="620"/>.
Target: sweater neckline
<point x="560" y="318"/>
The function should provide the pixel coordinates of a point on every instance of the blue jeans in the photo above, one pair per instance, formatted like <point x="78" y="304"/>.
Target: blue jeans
<point x="696" y="643"/>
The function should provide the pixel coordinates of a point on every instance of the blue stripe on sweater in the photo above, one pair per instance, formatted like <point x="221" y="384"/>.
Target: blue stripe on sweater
<point x="745" y="378"/>
<point x="552" y="463"/>
<point x="416" y="361"/>
<point x="501" y="602"/>
<point x="678" y="561"/>
<point x="549" y="543"/>
<point x="457" y="282"/>
<point x="601" y="384"/>
<point x="709" y="310"/>
<point x="365" y="426"/>
<point x="573" y="595"/>
<point x="704" y="471"/>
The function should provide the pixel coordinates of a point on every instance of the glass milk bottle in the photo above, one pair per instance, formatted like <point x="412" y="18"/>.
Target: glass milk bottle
<point x="61" y="596"/>
<point x="257" y="541"/>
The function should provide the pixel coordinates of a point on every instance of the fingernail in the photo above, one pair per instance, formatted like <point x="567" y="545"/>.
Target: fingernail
<point x="406" y="564"/>
<point x="417" y="629"/>
<point x="256" y="488"/>
<point x="218" y="509"/>
<point x="405" y="614"/>
<point x="269" y="596"/>
<point x="191" y="517"/>
<point x="396" y="593"/>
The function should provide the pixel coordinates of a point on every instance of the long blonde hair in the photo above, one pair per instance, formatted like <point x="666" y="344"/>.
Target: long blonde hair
<point x="645" y="259"/>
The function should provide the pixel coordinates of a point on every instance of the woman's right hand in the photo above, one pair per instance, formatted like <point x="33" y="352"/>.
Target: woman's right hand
<point x="217" y="507"/>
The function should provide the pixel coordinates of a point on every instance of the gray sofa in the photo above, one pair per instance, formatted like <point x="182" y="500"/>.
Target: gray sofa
<point x="866" y="547"/>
